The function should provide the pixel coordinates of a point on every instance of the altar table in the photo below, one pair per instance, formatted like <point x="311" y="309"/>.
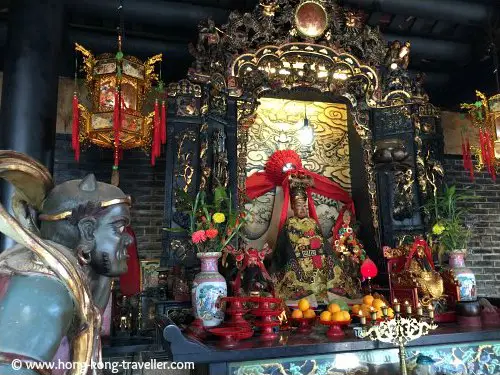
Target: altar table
<point x="455" y="350"/>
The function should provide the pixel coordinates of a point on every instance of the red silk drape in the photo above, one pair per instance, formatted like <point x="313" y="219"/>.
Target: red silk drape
<point x="262" y="182"/>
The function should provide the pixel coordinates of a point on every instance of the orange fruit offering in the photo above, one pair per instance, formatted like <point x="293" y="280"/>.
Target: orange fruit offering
<point x="366" y="310"/>
<point x="297" y="314"/>
<point x="338" y="316"/>
<point x="378" y="303"/>
<point x="333" y="308"/>
<point x="355" y="309"/>
<point x="326" y="316"/>
<point x="368" y="300"/>
<point x="346" y="315"/>
<point x="309" y="314"/>
<point x="304" y="305"/>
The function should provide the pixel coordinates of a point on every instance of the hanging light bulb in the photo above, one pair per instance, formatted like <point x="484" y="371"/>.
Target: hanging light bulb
<point x="306" y="133"/>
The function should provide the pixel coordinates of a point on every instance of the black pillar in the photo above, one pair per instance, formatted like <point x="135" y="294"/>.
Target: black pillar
<point x="30" y="83"/>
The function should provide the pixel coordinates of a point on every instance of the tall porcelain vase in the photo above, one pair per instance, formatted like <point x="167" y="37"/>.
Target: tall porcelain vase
<point x="464" y="276"/>
<point x="208" y="287"/>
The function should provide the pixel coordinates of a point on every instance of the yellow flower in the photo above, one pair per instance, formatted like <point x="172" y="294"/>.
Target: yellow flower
<point x="438" y="228"/>
<point x="219" y="218"/>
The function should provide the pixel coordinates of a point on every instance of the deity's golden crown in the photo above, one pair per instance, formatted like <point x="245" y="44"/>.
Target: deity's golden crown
<point x="299" y="183"/>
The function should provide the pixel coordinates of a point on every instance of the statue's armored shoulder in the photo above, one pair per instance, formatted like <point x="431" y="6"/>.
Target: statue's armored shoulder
<point x="20" y="260"/>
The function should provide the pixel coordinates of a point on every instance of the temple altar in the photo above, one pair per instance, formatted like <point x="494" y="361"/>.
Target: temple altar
<point x="453" y="350"/>
<point x="305" y="212"/>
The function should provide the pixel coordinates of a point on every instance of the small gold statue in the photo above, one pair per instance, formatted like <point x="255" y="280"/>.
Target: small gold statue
<point x="417" y="271"/>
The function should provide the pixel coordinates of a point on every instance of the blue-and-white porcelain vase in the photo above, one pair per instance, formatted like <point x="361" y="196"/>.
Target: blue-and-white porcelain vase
<point x="464" y="276"/>
<point x="209" y="286"/>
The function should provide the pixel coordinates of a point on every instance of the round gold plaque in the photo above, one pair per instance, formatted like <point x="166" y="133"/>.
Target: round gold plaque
<point x="311" y="19"/>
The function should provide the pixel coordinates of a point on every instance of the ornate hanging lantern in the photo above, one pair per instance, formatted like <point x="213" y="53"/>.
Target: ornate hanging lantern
<point x="485" y="116"/>
<point x="118" y="86"/>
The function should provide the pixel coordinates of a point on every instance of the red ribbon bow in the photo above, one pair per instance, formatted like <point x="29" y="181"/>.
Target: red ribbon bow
<point x="278" y="169"/>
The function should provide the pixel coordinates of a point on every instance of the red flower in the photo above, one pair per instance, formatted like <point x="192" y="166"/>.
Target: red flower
<point x="211" y="233"/>
<point x="315" y="243"/>
<point x="199" y="236"/>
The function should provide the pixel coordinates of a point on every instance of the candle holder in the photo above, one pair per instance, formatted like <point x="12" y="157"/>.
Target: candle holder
<point x="398" y="331"/>
<point x="236" y="312"/>
<point x="268" y="311"/>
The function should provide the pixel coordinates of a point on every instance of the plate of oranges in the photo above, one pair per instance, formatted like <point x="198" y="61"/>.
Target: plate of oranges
<point x="372" y="304"/>
<point x="304" y="315"/>
<point x="335" y="316"/>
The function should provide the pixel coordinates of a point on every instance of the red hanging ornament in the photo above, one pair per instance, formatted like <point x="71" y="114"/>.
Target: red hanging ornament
<point x="163" y="123"/>
<point x="117" y="118"/>
<point x="491" y="154"/>
<point x="75" y="141"/>
<point x="368" y="269"/>
<point x="156" y="142"/>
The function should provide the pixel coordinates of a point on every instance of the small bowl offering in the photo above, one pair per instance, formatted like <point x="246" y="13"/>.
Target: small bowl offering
<point x="231" y="335"/>
<point x="335" y="328"/>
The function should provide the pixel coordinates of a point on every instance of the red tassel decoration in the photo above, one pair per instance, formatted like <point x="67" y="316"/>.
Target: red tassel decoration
<point x="75" y="140"/>
<point x="491" y="155"/>
<point x="117" y="119"/>
<point x="163" y="123"/>
<point x="156" y="142"/>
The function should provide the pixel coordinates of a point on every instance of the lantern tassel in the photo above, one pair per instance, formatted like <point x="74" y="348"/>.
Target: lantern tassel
<point x="115" y="176"/>
<point x="163" y="123"/>
<point x="491" y="155"/>
<point x="155" y="145"/>
<point x="76" y="128"/>
<point x="117" y="119"/>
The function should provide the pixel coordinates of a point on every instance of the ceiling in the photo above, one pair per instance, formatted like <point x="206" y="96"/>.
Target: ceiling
<point x="448" y="37"/>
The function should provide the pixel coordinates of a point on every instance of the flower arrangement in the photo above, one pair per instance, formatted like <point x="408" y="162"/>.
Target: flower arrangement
<point x="212" y="226"/>
<point x="447" y="221"/>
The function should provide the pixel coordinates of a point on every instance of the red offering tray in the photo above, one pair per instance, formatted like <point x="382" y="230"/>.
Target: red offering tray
<point x="267" y="312"/>
<point x="335" y="328"/>
<point x="231" y="335"/>
<point x="267" y="332"/>
<point x="268" y="321"/>
<point x="264" y="302"/>
<point x="236" y="311"/>
<point x="305" y="324"/>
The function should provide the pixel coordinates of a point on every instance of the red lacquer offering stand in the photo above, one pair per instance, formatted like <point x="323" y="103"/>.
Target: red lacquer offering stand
<point x="268" y="316"/>
<point x="231" y="335"/>
<point x="335" y="328"/>
<point x="305" y="324"/>
<point x="236" y="311"/>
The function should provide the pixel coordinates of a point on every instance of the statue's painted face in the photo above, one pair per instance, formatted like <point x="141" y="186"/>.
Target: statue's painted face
<point x="300" y="207"/>
<point x="110" y="256"/>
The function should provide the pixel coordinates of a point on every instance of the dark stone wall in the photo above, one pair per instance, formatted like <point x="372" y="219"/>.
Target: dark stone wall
<point x="484" y="208"/>
<point x="146" y="185"/>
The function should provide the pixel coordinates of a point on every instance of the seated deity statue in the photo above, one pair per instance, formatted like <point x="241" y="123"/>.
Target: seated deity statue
<point x="56" y="282"/>
<point x="252" y="278"/>
<point x="417" y="271"/>
<point x="303" y="262"/>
